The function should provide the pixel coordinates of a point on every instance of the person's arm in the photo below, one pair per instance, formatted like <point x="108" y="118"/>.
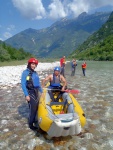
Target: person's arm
<point x="64" y="82"/>
<point x="48" y="78"/>
<point x="23" y="83"/>
<point x="40" y="87"/>
<point x="86" y="65"/>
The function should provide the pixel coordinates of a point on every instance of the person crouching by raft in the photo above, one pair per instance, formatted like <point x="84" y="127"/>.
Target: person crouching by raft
<point x="31" y="85"/>
<point x="56" y="79"/>
<point x="84" y="66"/>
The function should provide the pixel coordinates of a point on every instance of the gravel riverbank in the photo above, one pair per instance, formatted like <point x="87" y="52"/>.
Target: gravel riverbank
<point x="96" y="99"/>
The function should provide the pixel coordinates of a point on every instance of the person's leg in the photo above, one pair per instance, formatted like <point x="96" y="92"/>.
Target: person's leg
<point x="74" y="71"/>
<point x="51" y="95"/>
<point x="61" y="72"/>
<point x="67" y="100"/>
<point x="33" y="106"/>
<point x="83" y="71"/>
<point x="64" y="72"/>
<point x="58" y="97"/>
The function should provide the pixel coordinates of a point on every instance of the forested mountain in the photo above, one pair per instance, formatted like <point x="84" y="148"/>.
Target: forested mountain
<point x="8" y="53"/>
<point x="62" y="38"/>
<point x="98" y="46"/>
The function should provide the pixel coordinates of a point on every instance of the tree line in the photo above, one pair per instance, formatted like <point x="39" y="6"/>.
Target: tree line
<point x="8" y="53"/>
<point x="101" y="52"/>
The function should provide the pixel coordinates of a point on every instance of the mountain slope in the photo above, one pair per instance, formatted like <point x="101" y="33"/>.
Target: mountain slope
<point x="99" y="46"/>
<point x="8" y="53"/>
<point x="61" y="38"/>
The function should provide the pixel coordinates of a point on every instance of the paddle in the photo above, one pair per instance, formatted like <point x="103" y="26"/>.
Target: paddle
<point x="68" y="91"/>
<point x="72" y="91"/>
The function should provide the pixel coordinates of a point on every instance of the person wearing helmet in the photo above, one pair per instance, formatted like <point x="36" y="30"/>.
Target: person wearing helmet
<point x="56" y="79"/>
<point x="31" y="85"/>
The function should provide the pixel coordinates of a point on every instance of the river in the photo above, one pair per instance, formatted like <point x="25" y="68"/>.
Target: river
<point x="95" y="97"/>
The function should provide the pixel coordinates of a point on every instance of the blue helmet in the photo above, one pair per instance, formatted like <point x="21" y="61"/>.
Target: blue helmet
<point x="57" y="69"/>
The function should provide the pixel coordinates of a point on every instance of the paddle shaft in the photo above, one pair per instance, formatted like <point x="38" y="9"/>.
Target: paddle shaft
<point x="68" y="91"/>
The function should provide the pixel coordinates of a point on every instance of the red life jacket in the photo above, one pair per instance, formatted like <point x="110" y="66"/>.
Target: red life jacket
<point x="84" y="66"/>
<point x="61" y="62"/>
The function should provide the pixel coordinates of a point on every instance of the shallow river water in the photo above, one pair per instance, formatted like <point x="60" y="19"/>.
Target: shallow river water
<point x="96" y="99"/>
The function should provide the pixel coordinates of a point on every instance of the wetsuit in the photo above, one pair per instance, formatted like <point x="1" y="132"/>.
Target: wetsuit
<point x="31" y="85"/>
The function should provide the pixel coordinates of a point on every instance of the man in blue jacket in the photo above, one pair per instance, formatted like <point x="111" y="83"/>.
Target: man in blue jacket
<point x="31" y="85"/>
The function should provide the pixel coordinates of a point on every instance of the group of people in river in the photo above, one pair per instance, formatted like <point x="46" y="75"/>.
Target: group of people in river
<point x="31" y="85"/>
<point x="73" y="66"/>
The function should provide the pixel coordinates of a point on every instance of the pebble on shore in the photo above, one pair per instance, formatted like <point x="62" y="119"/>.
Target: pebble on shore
<point x="10" y="75"/>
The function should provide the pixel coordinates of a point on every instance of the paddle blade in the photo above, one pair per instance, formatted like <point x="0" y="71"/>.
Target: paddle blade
<point x="73" y="91"/>
<point x="62" y="112"/>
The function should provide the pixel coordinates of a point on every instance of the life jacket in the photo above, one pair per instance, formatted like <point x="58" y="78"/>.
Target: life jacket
<point x="32" y="81"/>
<point x="55" y="82"/>
<point x="84" y="66"/>
<point x="61" y="62"/>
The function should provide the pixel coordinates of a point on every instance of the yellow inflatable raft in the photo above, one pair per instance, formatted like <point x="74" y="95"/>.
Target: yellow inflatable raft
<point x="54" y="122"/>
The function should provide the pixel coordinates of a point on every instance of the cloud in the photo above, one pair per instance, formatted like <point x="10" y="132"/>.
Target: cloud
<point x="76" y="7"/>
<point x="6" y="32"/>
<point x="7" y="35"/>
<point x="99" y="3"/>
<point x="57" y="9"/>
<point x="11" y="27"/>
<point x="32" y="9"/>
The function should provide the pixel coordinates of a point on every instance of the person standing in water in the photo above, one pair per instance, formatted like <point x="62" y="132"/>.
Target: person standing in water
<point x="31" y="85"/>
<point x="62" y="65"/>
<point x="73" y="67"/>
<point x="84" y="66"/>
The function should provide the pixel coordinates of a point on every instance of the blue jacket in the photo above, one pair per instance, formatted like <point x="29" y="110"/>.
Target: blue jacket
<point x="24" y="81"/>
<point x="72" y="65"/>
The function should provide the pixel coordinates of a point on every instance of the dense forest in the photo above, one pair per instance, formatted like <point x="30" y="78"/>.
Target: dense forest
<point x="98" y="46"/>
<point x="8" y="53"/>
<point x="101" y="52"/>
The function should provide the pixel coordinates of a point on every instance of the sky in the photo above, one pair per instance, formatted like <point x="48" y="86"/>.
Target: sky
<point x="19" y="15"/>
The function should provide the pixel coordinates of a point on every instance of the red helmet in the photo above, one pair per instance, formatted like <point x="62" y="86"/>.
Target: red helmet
<point x="33" y="60"/>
